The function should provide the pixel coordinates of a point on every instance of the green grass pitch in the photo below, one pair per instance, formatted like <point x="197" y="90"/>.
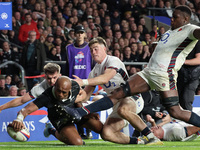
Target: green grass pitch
<point x="98" y="145"/>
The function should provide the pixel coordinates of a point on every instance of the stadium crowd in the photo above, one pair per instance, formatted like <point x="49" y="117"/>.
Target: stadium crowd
<point x="120" y="22"/>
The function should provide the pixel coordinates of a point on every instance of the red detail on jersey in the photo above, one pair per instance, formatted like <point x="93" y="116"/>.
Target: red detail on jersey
<point x="39" y="112"/>
<point x="86" y="110"/>
<point x="38" y="76"/>
<point x="180" y="29"/>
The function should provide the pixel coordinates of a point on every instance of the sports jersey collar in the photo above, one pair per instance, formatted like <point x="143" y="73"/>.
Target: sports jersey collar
<point x="180" y="28"/>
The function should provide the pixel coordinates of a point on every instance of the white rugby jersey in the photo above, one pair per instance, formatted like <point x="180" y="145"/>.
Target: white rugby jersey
<point x="172" y="49"/>
<point x="39" y="89"/>
<point x="110" y="62"/>
<point x="173" y="131"/>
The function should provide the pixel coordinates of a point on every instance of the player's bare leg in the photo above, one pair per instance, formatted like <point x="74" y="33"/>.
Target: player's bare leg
<point x="70" y="136"/>
<point x="111" y="130"/>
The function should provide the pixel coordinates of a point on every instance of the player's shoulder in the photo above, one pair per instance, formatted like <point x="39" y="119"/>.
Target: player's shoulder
<point x="113" y="58"/>
<point x="38" y="89"/>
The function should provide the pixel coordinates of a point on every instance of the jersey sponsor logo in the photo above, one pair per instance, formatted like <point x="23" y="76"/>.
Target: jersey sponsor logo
<point x="79" y="57"/>
<point x="80" y="67"/>
<point x="165" y="37"/>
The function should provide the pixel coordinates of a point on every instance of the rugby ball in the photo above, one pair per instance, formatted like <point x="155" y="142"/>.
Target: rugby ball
<point x="21" y="136"/>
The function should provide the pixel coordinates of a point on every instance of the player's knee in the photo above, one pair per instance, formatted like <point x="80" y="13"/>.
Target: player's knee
<point x="123" y="111"/>
<point x="77" y="141"/>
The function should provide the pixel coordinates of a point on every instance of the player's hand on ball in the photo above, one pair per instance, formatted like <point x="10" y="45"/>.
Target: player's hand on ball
<point x="17" y="125"/>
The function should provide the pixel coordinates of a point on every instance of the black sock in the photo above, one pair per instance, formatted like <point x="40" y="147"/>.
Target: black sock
<point x="99" y="105"/>
<point x="133" y="140"/>
<point x="146" y="131"/>
<point x="52" y="131"/>
<point x="194" y="120"/>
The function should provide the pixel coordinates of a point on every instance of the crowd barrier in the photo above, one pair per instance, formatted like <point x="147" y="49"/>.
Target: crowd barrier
<point x="35" y="122"/>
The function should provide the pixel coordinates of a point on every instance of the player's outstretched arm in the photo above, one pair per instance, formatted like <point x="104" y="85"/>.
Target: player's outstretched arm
<point x="16" y="102"/>
<point x="18" y="123"/>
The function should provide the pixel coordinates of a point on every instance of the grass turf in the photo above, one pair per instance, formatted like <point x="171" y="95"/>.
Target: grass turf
<point x="98" y="145"/>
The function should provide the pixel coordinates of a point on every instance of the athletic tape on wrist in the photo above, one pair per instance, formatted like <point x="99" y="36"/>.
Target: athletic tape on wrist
<point x="85" y="82"/>
<point x="20" y="117"/>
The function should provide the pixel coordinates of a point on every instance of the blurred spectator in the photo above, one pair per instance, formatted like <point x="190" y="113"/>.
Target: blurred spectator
<point x="40" y="24"/>
<point x="34" y="57"/>
<point x="67" y="13"/>
<point x="162" y="12"/>
<point x="142" y="33"/>
<point x="127" y="57"/>
<point x="137" y="36"/>
<point x="54" y="25"/>
<point x="154" y="31"/>
<point x="132" y="71"/>
<point x="153" y="3"/>
<point x="13" y="38"/>
<point x="115" y="17"/>
<point x="13" y="90"/>
<point x="143" y="4"/>
<point x="21" y="91"/>
<point x="71" y="35"/>
<point x="3" y="37"/>
<point x="143" y="23"/>
<point x="133" y="27"/>
<point x="168" y="7"/>
<point x="49" y="42"/>
<point x="193" y="16"/>
<point x="52" y="54"/>
<point x="109" y="44"/>
<point x="25" y="28"/>
<point x="82" y="9"/>
<point x="117" y="53"/>
<point x="147" y="39"/>
<point x="121" y="43"/>
<point x="59" y="33"/>
<point x="30" y="4"/>
<point x="133" y="8"/>
<point x="8" y="80"/>
<point x="88" y="12"/>
<point x="4" y="91"/>
<point x="9" y="55"/>
<point x="48" y="18"/>
<point x="117" y="36"/>
<point x="95" y="33"/>
<point x="134" y="52"/>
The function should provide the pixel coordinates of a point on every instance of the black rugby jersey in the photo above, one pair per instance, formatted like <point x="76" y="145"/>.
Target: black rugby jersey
<point x="47" y="99"/>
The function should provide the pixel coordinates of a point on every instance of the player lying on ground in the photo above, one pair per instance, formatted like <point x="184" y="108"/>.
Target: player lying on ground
<point x="174" y="130"/>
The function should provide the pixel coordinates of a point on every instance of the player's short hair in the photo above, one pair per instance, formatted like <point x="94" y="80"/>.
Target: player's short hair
<point x="51" y="68"/>
<point x="184" y="9"/>
<point x="98" y="40"/>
